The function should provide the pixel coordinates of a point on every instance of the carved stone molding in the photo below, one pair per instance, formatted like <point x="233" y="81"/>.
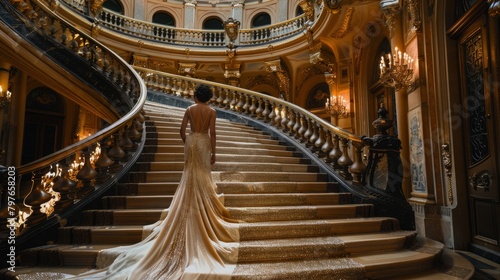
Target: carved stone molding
<point x="232" y="73"/>
<point x="390" y="9"/>
<point x="187" y="69"/>
<point x="446" y="157"/>
<point x="414" y="9"/>
<point x="334" y="5"/>
<point x="140" y="60"/>
<point x="95" y="7"/>
<point x="346" y="25"/>
<point x="494" y="9"/>
<point x="324" y="60"/>
<point x="308" y="8"/>
<point x="282" y="75"/>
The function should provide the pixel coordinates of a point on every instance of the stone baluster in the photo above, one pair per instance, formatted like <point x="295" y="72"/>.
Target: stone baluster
<point x="232" y="104"/>
<point x="86" y="175"/>
<point x="303" y="128"/>
<point x="125" y="141"/>
<point x="297" y="125"/>
<point x="318" y="144"/>
<point x="247" y="104"/>
<point x="309" y="132"/>
<point x="64" y="186"/>
<point x="253" y="107"/>
<point x="358" y="168"/>
<point x="285" y="120"/>
<point x="277" y="118"/>
<point x="272" y="113"/>
<point x="220" y="97"/>
<point x="266" y="111"/>
<point x="258" y="111"/>
<point x="116" y="154"/>
<point x="240" y="104"/>
<point x="314" y="137"/>
<point x="133" y="133"/>
<point x="103" y="164"/>
<point x="227" y="100"/>
<point x="168" y="85"/>
<point x="335" y="153"/>
<point x="345" y="161"/>
<point x="291" y="123"/>
<point x="327" y="146"/>
<point x="36" y="198"/>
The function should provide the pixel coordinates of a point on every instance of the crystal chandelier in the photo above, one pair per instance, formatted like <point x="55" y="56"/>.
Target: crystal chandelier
<point x="397" y="70"/>
<point x="337" y="107"/>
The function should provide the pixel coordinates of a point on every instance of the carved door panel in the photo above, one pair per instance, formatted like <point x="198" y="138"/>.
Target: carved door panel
<point x="480" y="139"/>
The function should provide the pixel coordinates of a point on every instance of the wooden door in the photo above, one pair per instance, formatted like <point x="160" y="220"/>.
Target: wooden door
<point x="480" y="135"/>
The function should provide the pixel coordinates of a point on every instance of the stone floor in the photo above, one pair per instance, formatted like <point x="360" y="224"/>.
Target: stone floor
<point x="485" y="269"/>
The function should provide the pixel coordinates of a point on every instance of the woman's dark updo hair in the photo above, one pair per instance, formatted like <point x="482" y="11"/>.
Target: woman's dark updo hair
<point x="203" y="93"/>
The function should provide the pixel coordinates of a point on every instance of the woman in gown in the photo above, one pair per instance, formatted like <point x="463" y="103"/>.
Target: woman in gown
<point x="196" y="239"/>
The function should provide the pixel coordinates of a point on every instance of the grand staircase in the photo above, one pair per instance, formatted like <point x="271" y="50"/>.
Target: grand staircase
<point x="298" y="225"/>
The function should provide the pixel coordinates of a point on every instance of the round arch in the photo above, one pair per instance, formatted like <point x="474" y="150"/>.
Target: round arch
<point x="260" y="19"/>
<point x="164" y="18"/>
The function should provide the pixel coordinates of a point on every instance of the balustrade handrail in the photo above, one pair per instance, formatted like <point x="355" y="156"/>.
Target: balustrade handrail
<point x="106" y="132"/>
<point x="339" y="131"/>
<point x="328" y="142"/>
<point x="146" y="29"/>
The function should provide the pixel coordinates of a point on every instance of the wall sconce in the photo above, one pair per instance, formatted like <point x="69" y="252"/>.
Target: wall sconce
<point x="397" y="70"/>
<point x="338" y="107"/>
<point x="4" y="98"/>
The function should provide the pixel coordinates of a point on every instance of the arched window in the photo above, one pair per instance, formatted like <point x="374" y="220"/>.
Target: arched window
<point x="164" y="18"/>
<point x="298" y="11"/>
<point x="213" y="23"/>
<point x="114" y="5"/>
<point x="261" y="19"/>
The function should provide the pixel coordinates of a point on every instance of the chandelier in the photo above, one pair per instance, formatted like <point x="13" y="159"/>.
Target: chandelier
<point x="4" y="98"/>
<point x="397" y="70"/>
<point x="337" y="107"/>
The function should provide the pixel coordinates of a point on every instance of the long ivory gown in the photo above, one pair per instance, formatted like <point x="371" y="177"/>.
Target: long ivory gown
<point x="196" y="239"/>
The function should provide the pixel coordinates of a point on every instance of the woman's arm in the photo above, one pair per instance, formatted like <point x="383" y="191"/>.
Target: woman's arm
<point x="184" y="125"/>
<point x="213" y="116"/>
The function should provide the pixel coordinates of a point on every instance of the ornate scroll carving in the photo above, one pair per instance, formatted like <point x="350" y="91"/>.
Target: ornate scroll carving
<point x="494" y="7"/>
<point x="390" y="9"/>
<point x="414" y="9"/>
<point x="282" y="75"/>
<point x="446" y="157"/>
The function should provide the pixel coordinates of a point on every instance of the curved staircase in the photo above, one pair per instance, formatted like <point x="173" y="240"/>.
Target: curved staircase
<point x="298" y="225"/>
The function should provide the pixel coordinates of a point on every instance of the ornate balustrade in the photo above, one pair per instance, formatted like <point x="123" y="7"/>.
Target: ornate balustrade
<point x="58" y="181"/>
<point x="339" y="148"/>
<point x="272" y="33"/>
<point x="189" y="37"/>
<point x="342" y="152"/>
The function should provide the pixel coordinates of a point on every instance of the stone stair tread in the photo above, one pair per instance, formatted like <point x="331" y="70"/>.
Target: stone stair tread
<point x="228" y="157"/>
<point x="224" y="166"/>
<point x="163" y="188"/>
<point x="244" y="176"/>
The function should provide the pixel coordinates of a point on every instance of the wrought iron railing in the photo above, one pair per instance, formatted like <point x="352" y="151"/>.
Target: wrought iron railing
<point x="62" y="179"/>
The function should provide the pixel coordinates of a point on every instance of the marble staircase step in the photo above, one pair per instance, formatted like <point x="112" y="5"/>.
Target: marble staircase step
<point x="222" y="176"/>
<point x="229" y="150"/>
<point x="222" y="157"/>
<point x="140" y="216"/>
<point x="231" y="200"/>
<point x="230" y="166"/>
<point x="164" y="188"/>
<point x="248" y="231"/>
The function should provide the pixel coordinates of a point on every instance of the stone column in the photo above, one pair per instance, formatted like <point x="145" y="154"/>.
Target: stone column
<point x="393" y="14"/>
<point x="5" y="105"/>
<point x="237" y="13"/>
<point x="283" y="10"/>
<point x="139" y="10"/>
<point x="16" y="122"/>
<point x="189" y="13"/>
